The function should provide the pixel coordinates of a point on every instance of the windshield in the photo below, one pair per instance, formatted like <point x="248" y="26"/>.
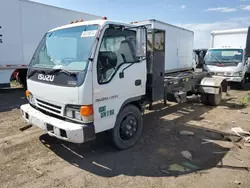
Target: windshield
<point x="67" y="49"/>
<point x="224" y="56"/>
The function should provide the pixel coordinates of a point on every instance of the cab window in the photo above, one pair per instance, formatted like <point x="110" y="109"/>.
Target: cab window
<point x="117" y="48"/>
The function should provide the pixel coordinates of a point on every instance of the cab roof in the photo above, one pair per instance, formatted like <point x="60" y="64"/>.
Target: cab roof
<point x="92" y="22"/>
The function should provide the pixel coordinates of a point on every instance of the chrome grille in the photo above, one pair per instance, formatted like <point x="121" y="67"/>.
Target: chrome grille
<point x="48" y="106"/>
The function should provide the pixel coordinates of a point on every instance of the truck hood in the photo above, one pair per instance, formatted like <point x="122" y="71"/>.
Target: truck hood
<point x="214" y="68"/>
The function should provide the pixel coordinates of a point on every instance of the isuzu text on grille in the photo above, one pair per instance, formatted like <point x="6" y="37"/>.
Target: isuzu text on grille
<point x="49" y="78"/>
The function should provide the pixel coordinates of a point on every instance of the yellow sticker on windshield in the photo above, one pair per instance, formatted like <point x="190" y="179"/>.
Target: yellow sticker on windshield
<point x="88" y="33"/>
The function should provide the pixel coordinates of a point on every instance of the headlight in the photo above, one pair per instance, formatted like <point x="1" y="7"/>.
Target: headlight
<point x="73" y="112"/>
<point x="30" y="98"/>
<point x="82" y="113"/>
<point x="220" y="73"/>
<point x="238" y="73"/>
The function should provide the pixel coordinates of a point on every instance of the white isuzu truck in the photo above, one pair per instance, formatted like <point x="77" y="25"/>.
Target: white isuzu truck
<point x="22" y="26"/>
<point x="229" y="55"/>
<point x="95" y="76"/>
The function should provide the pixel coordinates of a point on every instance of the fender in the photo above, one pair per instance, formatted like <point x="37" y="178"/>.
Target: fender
<point x="133" y="100"/>
<point x="212" y="85"/>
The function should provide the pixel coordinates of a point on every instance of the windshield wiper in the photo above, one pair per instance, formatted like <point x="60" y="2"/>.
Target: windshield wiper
<point x="218" y="61"/>
<point x="58" y="71"/>
<point x="35" y="71"/>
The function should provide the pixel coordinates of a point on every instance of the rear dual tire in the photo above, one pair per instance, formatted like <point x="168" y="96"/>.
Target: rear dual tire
<point x="211" y="99"/>
<point x="21" y="78"/>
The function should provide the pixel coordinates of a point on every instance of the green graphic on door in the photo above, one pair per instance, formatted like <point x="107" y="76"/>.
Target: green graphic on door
<point x="104" y="113"/>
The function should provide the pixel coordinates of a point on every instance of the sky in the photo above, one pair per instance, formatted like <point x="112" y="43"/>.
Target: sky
<point x="200" y="16"/>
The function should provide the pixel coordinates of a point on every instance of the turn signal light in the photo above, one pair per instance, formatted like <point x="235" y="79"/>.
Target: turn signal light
<point x="27" y="93"/>
<point x="87" y="110"/>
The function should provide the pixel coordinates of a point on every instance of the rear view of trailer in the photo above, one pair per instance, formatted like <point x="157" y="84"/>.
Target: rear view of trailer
<point x="234" y="38"/>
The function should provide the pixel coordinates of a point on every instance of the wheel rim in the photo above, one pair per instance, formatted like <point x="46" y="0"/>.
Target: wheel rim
<point x="128" y="127"/>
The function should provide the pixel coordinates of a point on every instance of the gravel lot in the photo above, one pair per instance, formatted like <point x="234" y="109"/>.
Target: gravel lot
<point x="31" y="158"/>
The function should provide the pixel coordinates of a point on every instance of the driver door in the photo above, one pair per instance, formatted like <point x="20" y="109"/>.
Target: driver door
<point x="117" y="77"/>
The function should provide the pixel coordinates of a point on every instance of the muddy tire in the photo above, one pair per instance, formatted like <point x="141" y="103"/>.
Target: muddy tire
<point x="244" y="85"/>
<point x="204" y="98"/>
<point x="128" y="127"/>
<point x="22" y="78"/>
<point x="215" y="99"/>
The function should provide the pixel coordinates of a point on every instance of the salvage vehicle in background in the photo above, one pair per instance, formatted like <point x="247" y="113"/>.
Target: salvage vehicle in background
<point x="229" y="55"/>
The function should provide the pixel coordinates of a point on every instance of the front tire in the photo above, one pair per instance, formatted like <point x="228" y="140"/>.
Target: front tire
<point x="244" y="84"/>
<point x="128" y="127"/>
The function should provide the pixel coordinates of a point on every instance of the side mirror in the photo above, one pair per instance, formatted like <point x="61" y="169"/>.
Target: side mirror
<point x="141" y="42"/>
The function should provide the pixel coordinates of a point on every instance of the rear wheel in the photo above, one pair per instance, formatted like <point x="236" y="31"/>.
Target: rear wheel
<point x="215" y="99"/>
<point x="204" y="98"/>
<point x="128" y="127"/>
<point x="22" y="77"/>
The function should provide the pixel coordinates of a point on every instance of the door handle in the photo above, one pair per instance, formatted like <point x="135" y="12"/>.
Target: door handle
<point x="137" y="82"/>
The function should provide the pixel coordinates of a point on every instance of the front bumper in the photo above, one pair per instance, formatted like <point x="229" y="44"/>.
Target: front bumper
<point x="231" y="79"/>
<point x="64" y="130"/>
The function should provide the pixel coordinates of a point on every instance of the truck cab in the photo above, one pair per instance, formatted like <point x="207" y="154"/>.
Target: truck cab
<point x="230" y="63"/>
<point x="229" y="55"/>
<point x="82" y="68"/>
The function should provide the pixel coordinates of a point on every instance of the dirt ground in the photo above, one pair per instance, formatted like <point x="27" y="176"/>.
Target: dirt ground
<point x="31" y="158"/>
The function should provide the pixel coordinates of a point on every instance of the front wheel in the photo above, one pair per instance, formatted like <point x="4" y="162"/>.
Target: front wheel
<point x="244" y="83"/>
<point x="128" y="127"/>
